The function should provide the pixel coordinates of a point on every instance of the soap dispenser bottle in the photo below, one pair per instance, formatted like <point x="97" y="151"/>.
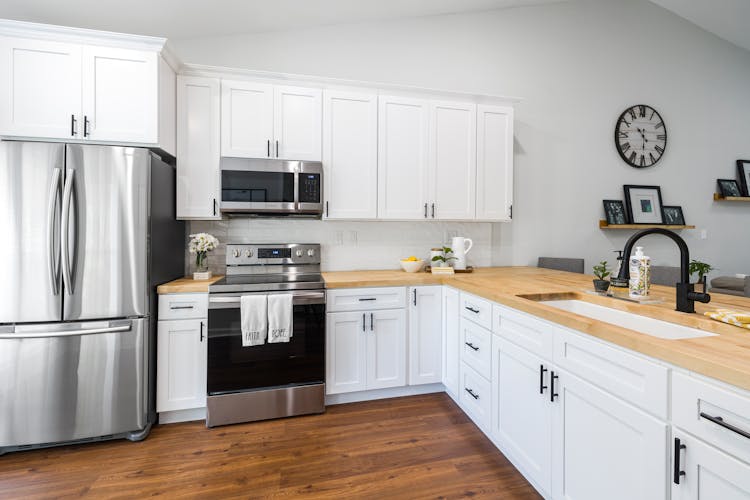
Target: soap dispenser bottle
<point x="640" y="274"/>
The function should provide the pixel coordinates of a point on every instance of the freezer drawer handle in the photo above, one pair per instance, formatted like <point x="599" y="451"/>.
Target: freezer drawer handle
<point x="720" y="421"/>
<point x="69" y="333"/>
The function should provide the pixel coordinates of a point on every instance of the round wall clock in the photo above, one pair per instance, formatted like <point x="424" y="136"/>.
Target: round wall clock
<point x="640" y="136"/>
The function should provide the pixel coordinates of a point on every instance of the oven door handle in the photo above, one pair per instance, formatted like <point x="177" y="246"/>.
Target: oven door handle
<point x="233" y="302"/>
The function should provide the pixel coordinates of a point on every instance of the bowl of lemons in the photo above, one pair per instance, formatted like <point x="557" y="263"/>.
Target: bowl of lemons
<point x="412" y="264"/>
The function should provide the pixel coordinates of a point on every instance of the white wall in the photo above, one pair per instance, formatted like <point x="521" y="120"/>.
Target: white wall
<point x="578" y="64"/>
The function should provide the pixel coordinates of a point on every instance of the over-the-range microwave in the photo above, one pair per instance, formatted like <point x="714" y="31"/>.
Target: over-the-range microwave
<point x="271" y="187"/>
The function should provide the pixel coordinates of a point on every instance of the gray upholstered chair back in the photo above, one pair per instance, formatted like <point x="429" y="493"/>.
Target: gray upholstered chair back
<point x="731" y="285"/>
<point x="561" y="264"/>
<point x="665" y="275"/>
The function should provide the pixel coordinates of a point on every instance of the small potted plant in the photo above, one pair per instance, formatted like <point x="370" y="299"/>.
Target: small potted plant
<point x="200" y="245"/>
<point x="443" y="260"/>
<point x="699" y="268"/>
<point x="601" y="272"/>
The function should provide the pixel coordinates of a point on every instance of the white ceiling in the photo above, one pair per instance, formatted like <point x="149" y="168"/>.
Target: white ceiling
<point x="199" y="18"/>
<point x="728" y="19"/>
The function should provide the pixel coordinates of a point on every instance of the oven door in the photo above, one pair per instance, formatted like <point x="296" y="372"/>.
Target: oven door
<point x="233" y="368"/>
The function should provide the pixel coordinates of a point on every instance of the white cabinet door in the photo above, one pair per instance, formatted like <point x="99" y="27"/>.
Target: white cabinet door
<point x="198" y="184"/>
<point x="246" y="119"/>
<point x="350" y="154"/>
<point x="425" y="335"/>
<point x="402" y="158"/>
<point x="346" y="352"/>
<point x="182" y="363"/>
<point x="522" y="410"/>
<point x="386" y="348"/>
<point x="709" y="474"/>
<point x="120" y="95"/>
<point x="297" y="123"/>
<point x="451" y="336"/>
<point x="604" y="447"/>
<point x="494" y="162"/>
<point x="453" y="147"/>
<point x="40" y="89"/>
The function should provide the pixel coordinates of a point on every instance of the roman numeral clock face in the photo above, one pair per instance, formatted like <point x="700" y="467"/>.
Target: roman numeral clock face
<point x="640" y="136"/>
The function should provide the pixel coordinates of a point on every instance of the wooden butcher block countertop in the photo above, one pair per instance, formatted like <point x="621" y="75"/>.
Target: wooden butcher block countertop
<point x="725" y="357"/>
<point x="187" y="285"/>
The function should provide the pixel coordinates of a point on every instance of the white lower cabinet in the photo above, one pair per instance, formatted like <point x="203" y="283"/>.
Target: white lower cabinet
<point x="451" y="334"/>
<point x="181" y="360"/>
<point x="702" y="472"/>
<point x="425" y="333"/>
<point x="386" y="349"/>
<point x="604" y="447"/>
<point x="475" y="395"/>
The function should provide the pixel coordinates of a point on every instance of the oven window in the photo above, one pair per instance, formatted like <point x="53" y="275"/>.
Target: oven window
<point x="233" y="368"/>
<point x="257" y="187"/>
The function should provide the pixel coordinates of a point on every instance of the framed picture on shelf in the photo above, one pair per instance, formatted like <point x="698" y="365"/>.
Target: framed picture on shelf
<point x="643" y="204"/>
<point x="673" y="216"/>
<point x="614" y="210"/>
<point x="729" y="188"/>
<point x="743" y="169"/>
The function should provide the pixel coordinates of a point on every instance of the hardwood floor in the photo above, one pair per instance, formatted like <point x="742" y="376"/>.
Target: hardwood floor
<point x="412" y="447"/>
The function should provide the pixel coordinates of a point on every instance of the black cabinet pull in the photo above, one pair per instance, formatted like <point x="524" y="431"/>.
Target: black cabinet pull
<point x="268" y="148"/>
<point x="326" y="209"/>
<point x="475" y="311"/>
<point x="425" y="210"/>
<point x="364" y="327"/>
<point x="372" y="322"/>
<point x="542" y="371"/>
<point x="552" y="393"/>
<point x="475" y="396"/>
<point x="201" y="331"/>
<point x="367" y="299"/>
<point x="433" y="210"/>
<point x="472" y="346"/>
<point x="415" y="296"/>
<point x="720" y="421"/>
<point x="277" y="149"/>
<point x="180" y="307"/>
<point x="678" y="472"/>
<point x="85" y="126"/>
<point x="73" y="125"/>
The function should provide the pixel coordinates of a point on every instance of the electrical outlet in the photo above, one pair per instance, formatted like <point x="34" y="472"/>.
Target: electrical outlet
<point x="339" y="238"/>
<point x="704" y="234"/>
<point x="353" y="237"/>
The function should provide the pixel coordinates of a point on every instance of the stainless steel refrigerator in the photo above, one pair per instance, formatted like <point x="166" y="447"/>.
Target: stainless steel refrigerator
<point x="86" y="234"/>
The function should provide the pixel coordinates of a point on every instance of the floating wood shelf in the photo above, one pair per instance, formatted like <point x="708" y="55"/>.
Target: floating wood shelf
<point x="718" y="197"/>
<point x="603" y="225"/>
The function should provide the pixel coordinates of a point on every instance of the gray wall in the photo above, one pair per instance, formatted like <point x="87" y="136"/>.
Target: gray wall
<point x="577" y="65"/>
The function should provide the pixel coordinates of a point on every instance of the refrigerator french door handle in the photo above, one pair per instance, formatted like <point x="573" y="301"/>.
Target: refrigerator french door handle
<point x="67" y="195"/>
<point x="54" y="257"/>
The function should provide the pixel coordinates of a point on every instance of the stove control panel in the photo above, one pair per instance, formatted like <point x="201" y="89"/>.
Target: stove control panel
<point x="272" y="254"/>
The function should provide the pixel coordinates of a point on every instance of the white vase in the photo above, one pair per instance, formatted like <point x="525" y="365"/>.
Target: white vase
<point x="460" y="247"/>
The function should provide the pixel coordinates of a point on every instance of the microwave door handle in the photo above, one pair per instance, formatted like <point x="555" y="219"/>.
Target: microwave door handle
<point x="296" y="189"/>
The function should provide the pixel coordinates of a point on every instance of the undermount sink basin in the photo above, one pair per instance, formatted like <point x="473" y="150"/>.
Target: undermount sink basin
<point x="641" y="324"/>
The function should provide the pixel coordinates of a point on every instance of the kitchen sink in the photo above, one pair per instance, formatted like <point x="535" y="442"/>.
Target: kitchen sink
<point x="624" y="319"/>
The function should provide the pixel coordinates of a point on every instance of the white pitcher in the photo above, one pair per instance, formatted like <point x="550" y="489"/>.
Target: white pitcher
<point x="460" y="249"/>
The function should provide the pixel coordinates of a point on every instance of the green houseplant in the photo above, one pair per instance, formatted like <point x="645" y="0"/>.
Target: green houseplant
<point x="601" y="272"/>
<point x="443" y="259"/>
<point x="699" y="268"/>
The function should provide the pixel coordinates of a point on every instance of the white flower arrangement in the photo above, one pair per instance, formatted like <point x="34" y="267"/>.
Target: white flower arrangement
<point x="200" y="245"/>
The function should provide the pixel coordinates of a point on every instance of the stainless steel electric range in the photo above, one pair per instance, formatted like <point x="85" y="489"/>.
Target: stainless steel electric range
<point x="269" y="380"/>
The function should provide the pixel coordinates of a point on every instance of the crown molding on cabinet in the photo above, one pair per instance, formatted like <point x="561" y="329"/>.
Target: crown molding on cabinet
<point x="23" y="29"/>
<point x="340" y="83"/>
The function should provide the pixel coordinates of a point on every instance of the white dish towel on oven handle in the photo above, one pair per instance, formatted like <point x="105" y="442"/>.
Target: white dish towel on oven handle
<point x="280" y="317"/>
<point x="253" y="319"/>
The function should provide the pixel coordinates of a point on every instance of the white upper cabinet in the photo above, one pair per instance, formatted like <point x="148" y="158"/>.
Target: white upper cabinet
<point x="452" y="148"/>
<point x="198" y="182"/>
<point x="494" y="162"/>
<point x="120" y="95"/>
<point x="246" y="119"/>
<point x="297" y="123"/>
<point x="402" y="158"/>
<point x="350" y="154"/>
<point x="40" y="88"/>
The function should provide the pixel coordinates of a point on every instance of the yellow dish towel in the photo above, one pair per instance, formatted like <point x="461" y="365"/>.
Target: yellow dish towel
<point x="736" y="318"/>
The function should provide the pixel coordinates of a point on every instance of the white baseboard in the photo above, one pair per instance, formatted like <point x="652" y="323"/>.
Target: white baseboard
<point x="394" y="392"/>
<point x="172" y="417"/>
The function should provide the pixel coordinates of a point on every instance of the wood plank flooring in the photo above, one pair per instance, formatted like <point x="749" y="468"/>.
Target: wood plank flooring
<point x="411" y="447"/>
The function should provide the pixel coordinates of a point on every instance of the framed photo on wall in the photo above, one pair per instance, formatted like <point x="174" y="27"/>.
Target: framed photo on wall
<point x="743" y="169"/>
<point x="614" y="210"/>
<point x="729" y="188"/>
<point x="644" y="204"/>
<point x="673" y="216"/>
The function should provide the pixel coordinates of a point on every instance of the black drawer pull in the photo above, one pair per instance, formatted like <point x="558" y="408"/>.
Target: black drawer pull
<point x="552" y="393"/>
<point x="181" y="307"/>
<point x="202" y="331"/>
<point x="720" y="421"/>
<point x="475" y="311"/>
<point x="542" y="371"/>
<point x="472" y="346"/>
<point x="370" y="298"/>
<point x="678" y="472"/>
<point x="475" y="396"/>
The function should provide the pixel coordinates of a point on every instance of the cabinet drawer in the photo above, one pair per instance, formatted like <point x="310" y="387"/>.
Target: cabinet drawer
<point x="524" y="330"/>
<point x="629" y="377"/>
<point x="183" y="306"/>
<point x="717" y="415"/>
<point x="358" y="299"/>
<point x="475" y="396"/>
<point x="476" y="309"/>
<point x="476" y="347"/>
